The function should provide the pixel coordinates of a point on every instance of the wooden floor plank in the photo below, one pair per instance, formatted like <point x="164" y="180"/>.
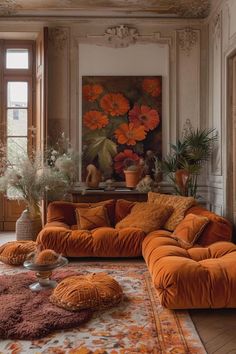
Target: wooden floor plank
<point x="217" y="329"/>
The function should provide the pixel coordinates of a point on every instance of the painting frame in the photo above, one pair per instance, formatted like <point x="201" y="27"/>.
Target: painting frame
<point x="121" y="122"/>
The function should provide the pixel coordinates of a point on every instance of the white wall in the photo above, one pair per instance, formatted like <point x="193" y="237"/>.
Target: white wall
<point x="222" y="43"/>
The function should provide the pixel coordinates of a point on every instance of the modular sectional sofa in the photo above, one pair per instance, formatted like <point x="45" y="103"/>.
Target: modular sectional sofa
<point x="200" y="276"/>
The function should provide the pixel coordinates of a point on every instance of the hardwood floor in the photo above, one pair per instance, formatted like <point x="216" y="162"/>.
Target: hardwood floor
<point x="216" y="328"/>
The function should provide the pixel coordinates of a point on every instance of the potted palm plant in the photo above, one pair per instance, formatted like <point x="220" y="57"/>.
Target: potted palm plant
<point x="187" y="158"/>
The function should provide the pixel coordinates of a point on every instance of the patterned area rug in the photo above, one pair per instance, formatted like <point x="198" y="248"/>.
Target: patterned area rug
<point x="138" y="325"/>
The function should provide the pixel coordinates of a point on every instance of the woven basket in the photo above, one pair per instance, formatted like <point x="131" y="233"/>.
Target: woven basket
<point x="27" y="228"/>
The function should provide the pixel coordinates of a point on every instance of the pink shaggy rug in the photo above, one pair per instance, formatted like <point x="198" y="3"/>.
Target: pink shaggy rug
<point x="29" y="315"/>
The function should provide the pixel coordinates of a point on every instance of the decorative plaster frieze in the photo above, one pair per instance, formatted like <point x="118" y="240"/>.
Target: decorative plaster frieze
<point x="8" y="7"/>
<point x="187" y="128"/>
<point x="121" y="36"/>
<point x="192" y="8"/>
<point x="217" y="27"/>
<point x="188" y="38"/>
<point x="58" y="37"/>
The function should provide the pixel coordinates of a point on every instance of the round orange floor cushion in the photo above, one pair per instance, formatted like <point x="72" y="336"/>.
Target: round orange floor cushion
<point x="96" y="291"/>
<point x="16" y="252"/>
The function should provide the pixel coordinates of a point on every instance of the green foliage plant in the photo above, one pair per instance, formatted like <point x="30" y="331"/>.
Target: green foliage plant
<point x="189" y="155"/>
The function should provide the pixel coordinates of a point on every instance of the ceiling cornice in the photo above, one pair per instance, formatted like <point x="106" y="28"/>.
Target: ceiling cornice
<point x="106" y="8"/>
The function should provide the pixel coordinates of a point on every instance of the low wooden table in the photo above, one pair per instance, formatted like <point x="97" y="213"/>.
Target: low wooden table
<point x="96" y="195"/>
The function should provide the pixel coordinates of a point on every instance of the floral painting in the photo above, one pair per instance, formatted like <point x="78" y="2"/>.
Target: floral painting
<point x="121" y="121"/>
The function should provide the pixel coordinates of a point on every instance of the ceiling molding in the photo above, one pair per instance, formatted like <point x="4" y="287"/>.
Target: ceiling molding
<point x="9" y="7"/>
<point x="142" y="8"/>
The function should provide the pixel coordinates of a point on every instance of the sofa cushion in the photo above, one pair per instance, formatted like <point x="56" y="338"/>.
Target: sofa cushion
<point x="16" y="252"/>
<point x="92" y="217"/>
<point x="194" y="278"/>
<point x="180" y="205"/>
<point x="122" y="209"/>
<point x="92" y="291"/>
<point x="148" y="217"/>
<point x="64" y="212"/>
<point x="218" y="228"/>
<point x="101" y="242"/>
<point x="190" y="229"/>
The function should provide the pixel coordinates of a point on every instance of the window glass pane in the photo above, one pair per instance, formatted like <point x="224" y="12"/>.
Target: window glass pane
<point x="16" y="149"/>
<point x="17" y="121"/>
<point x="17" y="94"/>
<point x="17" y="59"/>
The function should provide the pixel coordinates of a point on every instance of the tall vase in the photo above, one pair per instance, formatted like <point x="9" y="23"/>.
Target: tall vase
<point x="28" y="226"/>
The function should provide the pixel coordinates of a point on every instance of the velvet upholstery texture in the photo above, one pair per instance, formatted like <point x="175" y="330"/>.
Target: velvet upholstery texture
<point x="64" y="212"/>
<point x="179" y="203"/>
<point x="92" y="291"/>
<point x="16" y="252"/>
<point x="91" y="218"/>
<point x="122" y="209"/>
<point x="194" y="278"/>
<point x="146" y="216"/>
<point x="218" y="228"/>
<point x="101" y="242"/>
<point x="61" y="233"/>
<point x="189" y="229"/>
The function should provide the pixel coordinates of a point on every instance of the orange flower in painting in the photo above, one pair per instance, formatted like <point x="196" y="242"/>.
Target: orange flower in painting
<point x="92" y="92"/>
<point x="152" y="87"/>
<point x="115" y="104"/>
<point x="129" y="134"/>
<point x="122" y="160"/>
<point x="145" y="116"/>
<point x="95" y="120"/>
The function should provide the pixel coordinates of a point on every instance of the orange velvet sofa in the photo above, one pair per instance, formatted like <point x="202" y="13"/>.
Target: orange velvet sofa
<point x="61" y="233"/>
<point x="199" y="277"/>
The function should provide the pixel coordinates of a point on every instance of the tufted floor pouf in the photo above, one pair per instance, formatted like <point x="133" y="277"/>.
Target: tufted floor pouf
<point x="93" y="291"/>
<point x="194" y="278"/>
<point x="16" y="252"/>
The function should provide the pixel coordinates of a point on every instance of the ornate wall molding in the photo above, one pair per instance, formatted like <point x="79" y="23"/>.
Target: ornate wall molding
<point x="58" y="37"/>
<point x="123" y="36"/>
<point x="187" y="128"/>
<point x="8" y="7"/>
<point x="188" y="38"/>
<point x="217" y="29"/>
<point x="192" y="8"/>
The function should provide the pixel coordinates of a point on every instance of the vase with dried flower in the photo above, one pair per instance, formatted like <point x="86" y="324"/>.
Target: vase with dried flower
<point x="30" y="179"/>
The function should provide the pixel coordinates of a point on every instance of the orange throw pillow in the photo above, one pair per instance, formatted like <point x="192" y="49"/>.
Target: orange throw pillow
<point x="179" y="203"/>
<point x="91" y="218"/>
<point x="147" y="217"/>
<point x="190" y="228"/>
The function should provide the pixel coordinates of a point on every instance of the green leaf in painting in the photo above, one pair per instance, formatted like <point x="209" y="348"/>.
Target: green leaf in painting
<point x="103" y="148"/>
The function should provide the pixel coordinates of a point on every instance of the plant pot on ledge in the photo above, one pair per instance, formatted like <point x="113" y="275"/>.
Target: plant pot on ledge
<point x="132" y="177"/>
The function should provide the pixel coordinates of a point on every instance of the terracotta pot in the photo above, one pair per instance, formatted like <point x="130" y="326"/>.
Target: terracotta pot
<point x="132" y="178"/>
<point x="181" y="180"/>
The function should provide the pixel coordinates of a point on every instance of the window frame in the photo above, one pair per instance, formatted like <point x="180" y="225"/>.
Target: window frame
<point x="18" y="75"/>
